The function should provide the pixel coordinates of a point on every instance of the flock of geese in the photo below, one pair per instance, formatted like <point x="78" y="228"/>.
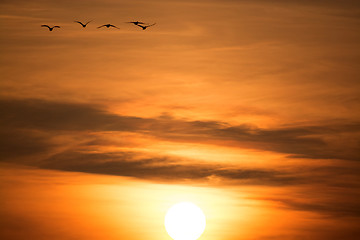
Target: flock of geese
<point x="143" y="25"/>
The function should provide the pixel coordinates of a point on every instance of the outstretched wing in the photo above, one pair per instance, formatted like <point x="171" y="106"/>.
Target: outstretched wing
<point x="79" y="23"/>
<point x="88" y="22"/>
<point x="102" y="26"/>
<point x="143" y="27"/>
<point x="113" y="26"/>
<point x="56" y="26"/>
<point x="46" y="26"/>
<point x="136" y="23"/>
<point x="151" y="25"/>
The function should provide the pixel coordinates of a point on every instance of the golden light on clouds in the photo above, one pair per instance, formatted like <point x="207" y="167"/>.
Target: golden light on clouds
<point x="249" y="110"/>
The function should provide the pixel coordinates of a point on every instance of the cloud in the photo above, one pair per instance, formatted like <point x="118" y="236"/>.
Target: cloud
<point x="336" y="206"/>
<point x="159" y="168"/>
<point x="320" y="3"/>
<point x="55" y="116"/>
<point x="337" y="197"/>
<point x="312" y="141"/>
<point x="17" y="143"/>
<point x="328" y="208"/>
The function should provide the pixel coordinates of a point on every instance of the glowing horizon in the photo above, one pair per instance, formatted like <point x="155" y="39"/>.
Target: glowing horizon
<point x="247" y="109"/>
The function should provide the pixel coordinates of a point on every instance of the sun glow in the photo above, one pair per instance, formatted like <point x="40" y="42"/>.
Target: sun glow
<point x="185" y="221"/>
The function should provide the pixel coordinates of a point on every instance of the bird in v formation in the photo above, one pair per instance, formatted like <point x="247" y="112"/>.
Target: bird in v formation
<point x="83" y="24"/>
<point x="137" y="23"/>
<point x="108" y="26"/>
<point x="145" y="27"/>
<point x="50" y="28"/>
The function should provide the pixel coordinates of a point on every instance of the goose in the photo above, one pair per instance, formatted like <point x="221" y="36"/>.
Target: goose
<point x="144" y="27"/>
<point x="108" y="25"/>
<point x="82" y="24"/>
<point x="136" y="23"/>
<point x="50" y="28"/>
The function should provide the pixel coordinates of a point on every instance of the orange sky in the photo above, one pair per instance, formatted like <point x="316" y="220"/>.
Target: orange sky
<point x="249" y="109"/>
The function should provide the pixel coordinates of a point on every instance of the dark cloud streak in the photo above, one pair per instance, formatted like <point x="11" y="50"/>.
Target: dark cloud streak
<point x="19" y="143"/>
<point x="297" y="141"/>
<point x="159" y="168"/>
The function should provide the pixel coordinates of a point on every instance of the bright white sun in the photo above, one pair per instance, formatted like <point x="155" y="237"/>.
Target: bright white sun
<point x="185" y="221"/>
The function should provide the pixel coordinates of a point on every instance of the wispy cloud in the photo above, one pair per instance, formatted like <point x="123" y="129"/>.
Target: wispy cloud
<point x="32" y="128"/>
<point x="310" y="141"/>
<point x="17" y="143"/>
<point x="160" y="168"/>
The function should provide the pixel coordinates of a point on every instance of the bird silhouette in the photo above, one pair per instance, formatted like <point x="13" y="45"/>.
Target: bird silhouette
<point x="145" y="27"/>
<point x="82" y="24"/>
<point x="50" y="28"/>
<point x="108" y="25"/>
<point x="136" y="23"/>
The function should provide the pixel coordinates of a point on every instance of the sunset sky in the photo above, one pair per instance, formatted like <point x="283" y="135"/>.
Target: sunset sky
<point x="249" y="109"/>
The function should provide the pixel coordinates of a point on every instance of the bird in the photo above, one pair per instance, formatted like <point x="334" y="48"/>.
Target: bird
<point x="50" y="28"/>
<point x="144" y="27"/>
<point x="108" y="25"/>
<point x="136" y="23"/>
<point x="82" y="24"/>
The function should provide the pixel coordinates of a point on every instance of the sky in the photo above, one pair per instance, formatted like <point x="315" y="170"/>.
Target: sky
<point x="249" y="109"/>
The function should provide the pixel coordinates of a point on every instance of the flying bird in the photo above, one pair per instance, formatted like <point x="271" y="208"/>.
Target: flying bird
<point x="108" y="25"/>
<point x="82" y="24"/>
<point x="136" y="23"/>
<point x="144" y="27"/>
<point x="50" y="28"/>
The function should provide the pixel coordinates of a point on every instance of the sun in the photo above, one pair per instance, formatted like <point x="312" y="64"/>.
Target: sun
<point x="185" y="221"/>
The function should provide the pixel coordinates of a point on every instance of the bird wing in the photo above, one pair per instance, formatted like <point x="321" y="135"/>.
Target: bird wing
<point x="151" y="25"/>
<point x="102" y="26"/>
<point x="56" y="26"/>
<point x="46" y="26"/>
<point x="83" y="25"/>
<point x="136" y="23"/>
<point x="113" y="26"/>
<point x="88" y="22"/>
